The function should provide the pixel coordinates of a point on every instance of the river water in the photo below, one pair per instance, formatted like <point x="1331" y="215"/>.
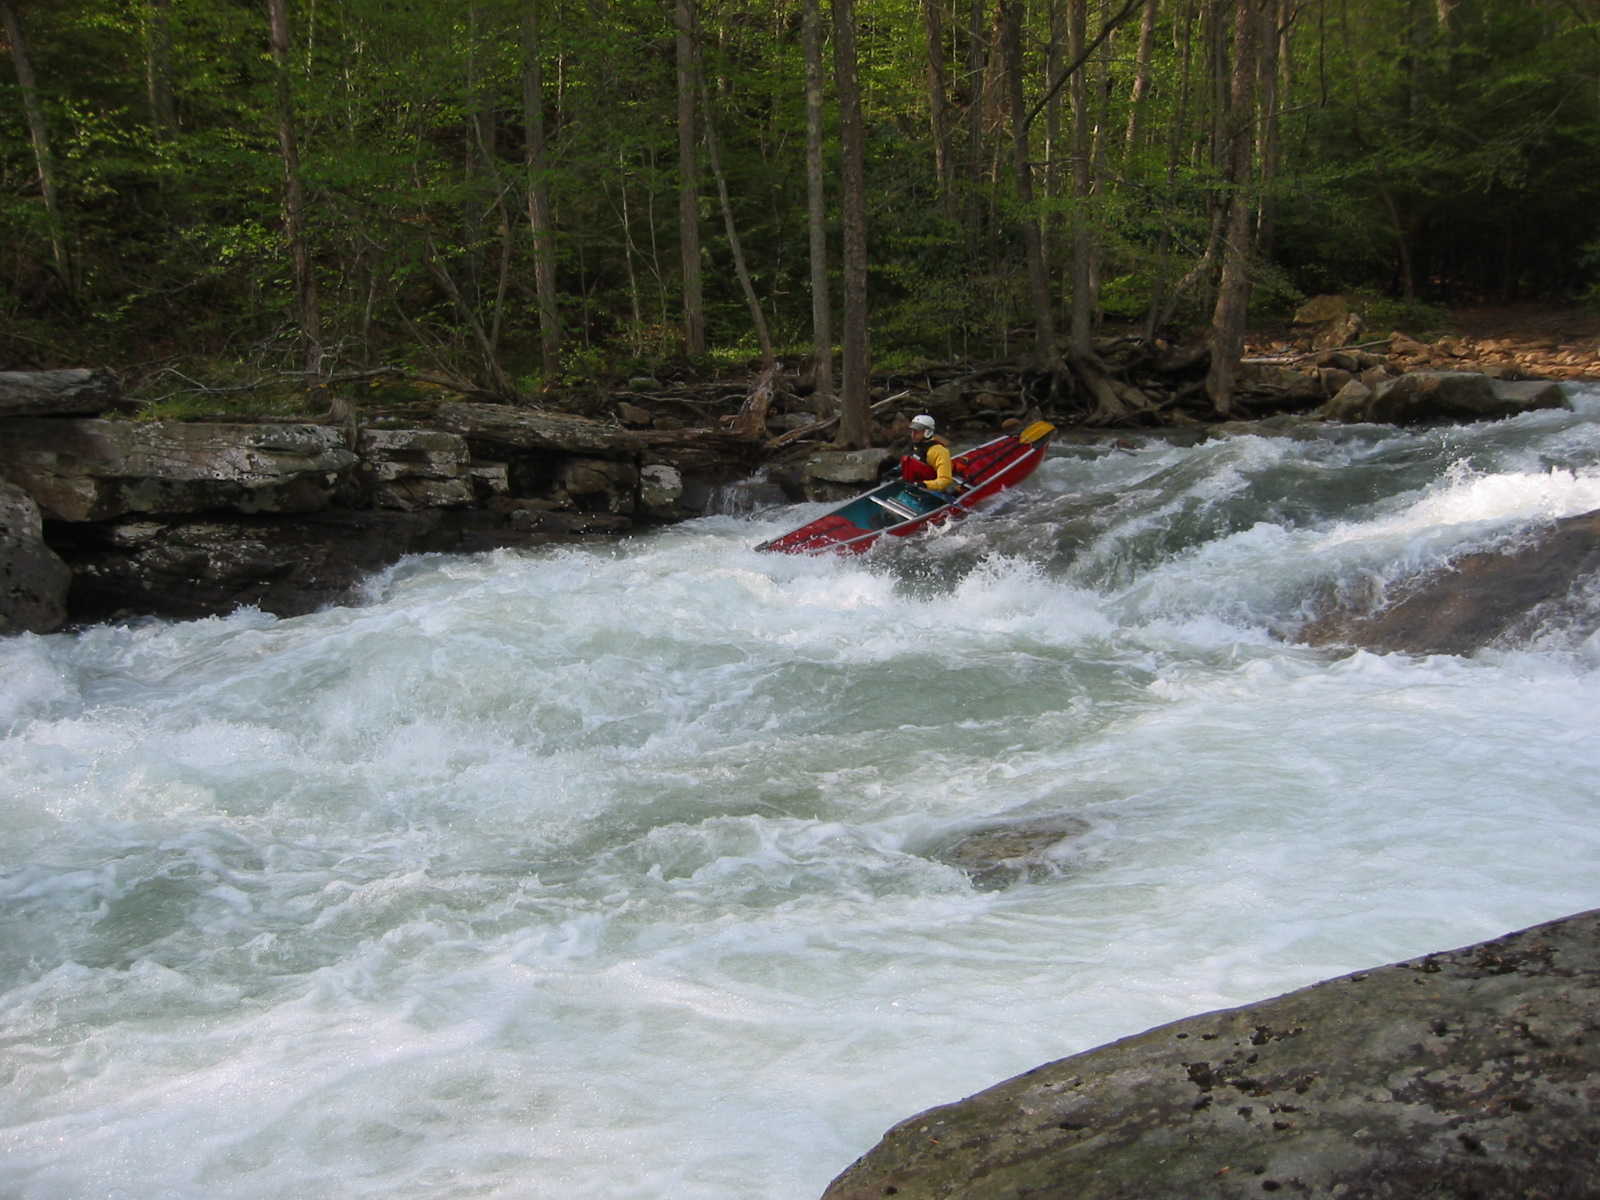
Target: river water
<point x="613" y="871"/>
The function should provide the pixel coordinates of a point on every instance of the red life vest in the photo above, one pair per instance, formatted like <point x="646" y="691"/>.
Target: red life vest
<point x="914" y="467"/>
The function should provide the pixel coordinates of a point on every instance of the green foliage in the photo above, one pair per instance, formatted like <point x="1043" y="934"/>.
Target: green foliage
<point x="1385" y="314"/>
<point x="1126" y="297"/>
<point x="1414" y="159"/>
<point x="216" y="388"/>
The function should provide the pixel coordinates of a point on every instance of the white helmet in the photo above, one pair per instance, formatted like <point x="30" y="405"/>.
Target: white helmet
<point x="924" y="423"/>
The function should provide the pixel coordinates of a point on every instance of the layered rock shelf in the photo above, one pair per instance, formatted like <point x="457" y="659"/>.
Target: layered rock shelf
<point x="104" y="517"/>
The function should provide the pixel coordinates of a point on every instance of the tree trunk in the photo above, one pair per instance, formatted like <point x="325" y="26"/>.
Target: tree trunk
<point x="938" y="105"/>
<point x="1033" y="245"/>
<point x="498" y="382"/>
<point x="1164" y="295"/>
<point x="1079" y="336"/>
<point x="694" y="316"/>
<point x="1233" y="294"/>
<point x="740" y="269"/>
<point x="539" y="220"/>
<point x="39" y="135"/>
<point x="1055" y="154"/>
<point x="853" y="416"/>
<point x="294" y="203"/>
<point x="158" y="69"/>
<point x="1402" y="245"/>
<point x="976" y="70"/>
<point x="1140" y="91"/>
<point x="1274" y="39"/>
<point x="817" y="216"/>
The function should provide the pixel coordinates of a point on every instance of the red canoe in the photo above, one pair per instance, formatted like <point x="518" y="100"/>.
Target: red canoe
<point x="901" y="509"/>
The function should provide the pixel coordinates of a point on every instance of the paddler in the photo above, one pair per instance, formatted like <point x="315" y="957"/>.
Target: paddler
<point x="928" y="464"/>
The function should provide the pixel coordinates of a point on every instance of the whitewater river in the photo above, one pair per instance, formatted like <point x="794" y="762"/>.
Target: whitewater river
<point x="613" y="871"/>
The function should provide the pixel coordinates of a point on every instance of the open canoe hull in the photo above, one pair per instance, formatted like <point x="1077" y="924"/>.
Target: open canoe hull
<point x="901" y="509"/>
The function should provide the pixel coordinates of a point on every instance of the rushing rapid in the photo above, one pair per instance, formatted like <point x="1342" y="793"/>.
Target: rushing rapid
<point x="616" y="871"/>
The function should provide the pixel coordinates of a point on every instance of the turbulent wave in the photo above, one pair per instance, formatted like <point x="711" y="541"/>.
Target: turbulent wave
<point x="617" y="871"/>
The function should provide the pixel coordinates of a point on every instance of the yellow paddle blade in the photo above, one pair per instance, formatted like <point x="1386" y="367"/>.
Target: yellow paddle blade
<point x="1039" y="429"/>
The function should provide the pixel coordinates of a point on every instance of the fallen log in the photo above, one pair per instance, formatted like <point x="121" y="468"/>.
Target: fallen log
<point x="822" y="426"/>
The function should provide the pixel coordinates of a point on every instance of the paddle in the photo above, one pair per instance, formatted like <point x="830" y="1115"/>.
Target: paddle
<point x="1035" y="431"/>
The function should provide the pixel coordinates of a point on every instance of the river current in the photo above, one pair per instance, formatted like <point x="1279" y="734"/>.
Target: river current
<point x="614" y="871"/>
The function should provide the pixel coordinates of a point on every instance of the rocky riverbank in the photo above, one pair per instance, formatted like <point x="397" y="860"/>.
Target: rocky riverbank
<point x="1468" y="1073"/>
<point x="103" y="517"/>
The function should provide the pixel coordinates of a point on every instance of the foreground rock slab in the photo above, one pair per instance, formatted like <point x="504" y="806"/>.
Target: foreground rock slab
<point x="1474" y="1072"/>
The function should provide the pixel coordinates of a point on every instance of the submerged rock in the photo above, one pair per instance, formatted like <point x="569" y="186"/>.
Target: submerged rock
<point x="1472" y="1072"/>
<point x="1017" y="852"/>
<point x="1503" y="597"/>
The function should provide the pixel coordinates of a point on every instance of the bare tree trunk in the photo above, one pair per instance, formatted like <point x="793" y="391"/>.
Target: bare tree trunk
<point x="630" y="251"/>
<point x="1079" y="335"/>
<point x="158" y="68"/>
<point x="294" y="203"/>
<point x="1138" y="94"/>
<point x="752" y="301"/>
<point x="694" y="316"/>
<point x="938" y="106"/>
<point x="817" y="216"/>
<point x="1233" y="294"/>
<point x="539" y="219"/>
<point x="976" y="70"/>
<point x="1033" y="246"/>
<point x="39" y="135"/>
<point x="1163" y="296"/>
<point x="483" y="160"/>
<point x="495" y="375"/>
<point x="1274" y="38"/>
<point x="1402" y="245"/>
<point x="853" y="416"/>
<point x="1055" y="152"/>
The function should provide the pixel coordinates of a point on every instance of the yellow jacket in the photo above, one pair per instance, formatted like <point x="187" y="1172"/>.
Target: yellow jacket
<point x="937" y="456"/>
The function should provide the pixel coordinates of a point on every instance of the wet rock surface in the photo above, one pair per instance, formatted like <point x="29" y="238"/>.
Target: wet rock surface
<point x="1468" y="1073"/>
<point x="1011" y="852"/>
<point x="1548" y="584"/>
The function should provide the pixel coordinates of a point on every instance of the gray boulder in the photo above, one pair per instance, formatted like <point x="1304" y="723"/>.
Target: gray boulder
<point x="410" y="469"/>
<point x="492" y="429"/>
<point x="835" y="474"/>
<point x="1328" y="322"/>
<point x="33" y="579"/>
<point x="660" y="490"/>
<point x="95" y="470"/>
<point x="597" y="485"/>
<point x="1421" y="396"/>
<point x="1469" y="1073"/>
<point x="75" y="392"/>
